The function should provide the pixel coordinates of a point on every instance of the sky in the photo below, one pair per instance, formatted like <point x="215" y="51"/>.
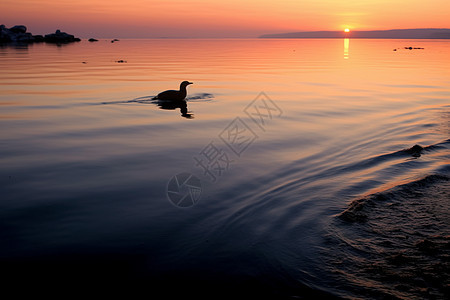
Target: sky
<point x="218" y="19"/>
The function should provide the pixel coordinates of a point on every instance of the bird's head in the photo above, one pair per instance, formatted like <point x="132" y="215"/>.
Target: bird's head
<point x="185" y="83"/>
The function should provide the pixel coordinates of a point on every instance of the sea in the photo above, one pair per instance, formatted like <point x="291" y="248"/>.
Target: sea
<point x="294" y="169"/>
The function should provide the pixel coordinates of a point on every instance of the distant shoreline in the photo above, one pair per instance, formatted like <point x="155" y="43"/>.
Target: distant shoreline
<point x="420" y="33"/>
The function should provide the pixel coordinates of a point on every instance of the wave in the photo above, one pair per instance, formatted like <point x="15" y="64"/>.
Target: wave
<point x="199" y="97"/>
<point x="396" y="243"/>
<point x="297" y="199"/>
<point x="310" y="171"/>
<point x="355" y="210"/>
<point x="360" y="209"/>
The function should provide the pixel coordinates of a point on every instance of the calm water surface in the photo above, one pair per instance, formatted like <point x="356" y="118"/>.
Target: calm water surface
<point x="307" y="185"/>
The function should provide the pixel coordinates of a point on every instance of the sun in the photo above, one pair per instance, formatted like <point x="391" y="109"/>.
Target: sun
<point x="347" y="30"/>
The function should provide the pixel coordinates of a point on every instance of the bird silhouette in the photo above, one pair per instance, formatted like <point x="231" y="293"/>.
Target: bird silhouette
<point x="174" y="95"/>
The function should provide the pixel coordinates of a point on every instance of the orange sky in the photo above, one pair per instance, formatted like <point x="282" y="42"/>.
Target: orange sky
<point x="213" y="18"/>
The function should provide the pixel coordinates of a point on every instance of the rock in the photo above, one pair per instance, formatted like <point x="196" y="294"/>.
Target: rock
<point x="24" y="38"/>
<point x="16" y="34"/>
<point x="415" y="150"/>
<point x="19" y="34"/>
<point x="38" y="38"/>
<point x="4" y="34"/>
<point x="411" y="48"/>
<point x="18" y="29"/>
<point x="93" y="40"/>
<point x="60" y="37"/>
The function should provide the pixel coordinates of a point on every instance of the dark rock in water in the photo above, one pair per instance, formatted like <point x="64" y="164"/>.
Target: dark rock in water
<point x="3" y="34"/>
<point x="60" y="37"/>
<point x="24" y="38"/>
<point x="19" y="34"/>
<point x="411" y="48"/>
<point x="16" y="34"/>
<point x="6" y="35"/>
<point x="18" y="29"/>
<point x="415" y="150"/>
<point x="121" y="61"/>
<point x="38" y="38"/>
<point x="93" y="40"/>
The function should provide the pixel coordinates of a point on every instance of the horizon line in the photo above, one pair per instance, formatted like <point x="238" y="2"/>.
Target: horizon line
<point x="286" y="32"/>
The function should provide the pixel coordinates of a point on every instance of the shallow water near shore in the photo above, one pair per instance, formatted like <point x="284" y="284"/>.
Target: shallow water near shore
<point x="301" y="175"/>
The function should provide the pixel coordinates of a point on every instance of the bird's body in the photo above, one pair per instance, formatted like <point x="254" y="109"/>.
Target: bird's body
<point x="174" y="95"/>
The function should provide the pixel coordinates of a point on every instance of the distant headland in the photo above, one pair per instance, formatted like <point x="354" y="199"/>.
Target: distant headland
<point x="19" y="34"/>
<point x="419" y="33"/>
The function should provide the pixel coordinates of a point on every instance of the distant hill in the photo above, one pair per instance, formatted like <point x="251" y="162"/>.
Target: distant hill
<point x="421" y="33"/>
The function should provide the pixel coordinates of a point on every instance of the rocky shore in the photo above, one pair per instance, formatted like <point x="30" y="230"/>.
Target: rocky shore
<point x="19" y="34"/>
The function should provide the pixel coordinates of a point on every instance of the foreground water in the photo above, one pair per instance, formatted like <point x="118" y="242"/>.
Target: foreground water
<point x="291" y="172"/>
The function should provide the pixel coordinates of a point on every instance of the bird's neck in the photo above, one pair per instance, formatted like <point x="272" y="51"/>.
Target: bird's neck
<point x="183" y="89"/>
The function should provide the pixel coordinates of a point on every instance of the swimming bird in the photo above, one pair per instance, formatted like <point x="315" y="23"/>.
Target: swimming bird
<point x="173" y="95"/>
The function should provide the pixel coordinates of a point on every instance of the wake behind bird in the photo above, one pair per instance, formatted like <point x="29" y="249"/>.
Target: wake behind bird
<point x="199" y="97"/>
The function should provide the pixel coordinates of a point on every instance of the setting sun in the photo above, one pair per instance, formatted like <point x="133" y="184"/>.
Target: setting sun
<point x="347" y="30"/>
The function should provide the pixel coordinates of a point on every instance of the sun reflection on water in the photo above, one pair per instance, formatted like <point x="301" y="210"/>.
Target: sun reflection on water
<point x="346" y="47"/>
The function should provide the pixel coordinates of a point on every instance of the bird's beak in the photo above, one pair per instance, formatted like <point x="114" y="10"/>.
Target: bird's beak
<point x="190" y="83"/>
